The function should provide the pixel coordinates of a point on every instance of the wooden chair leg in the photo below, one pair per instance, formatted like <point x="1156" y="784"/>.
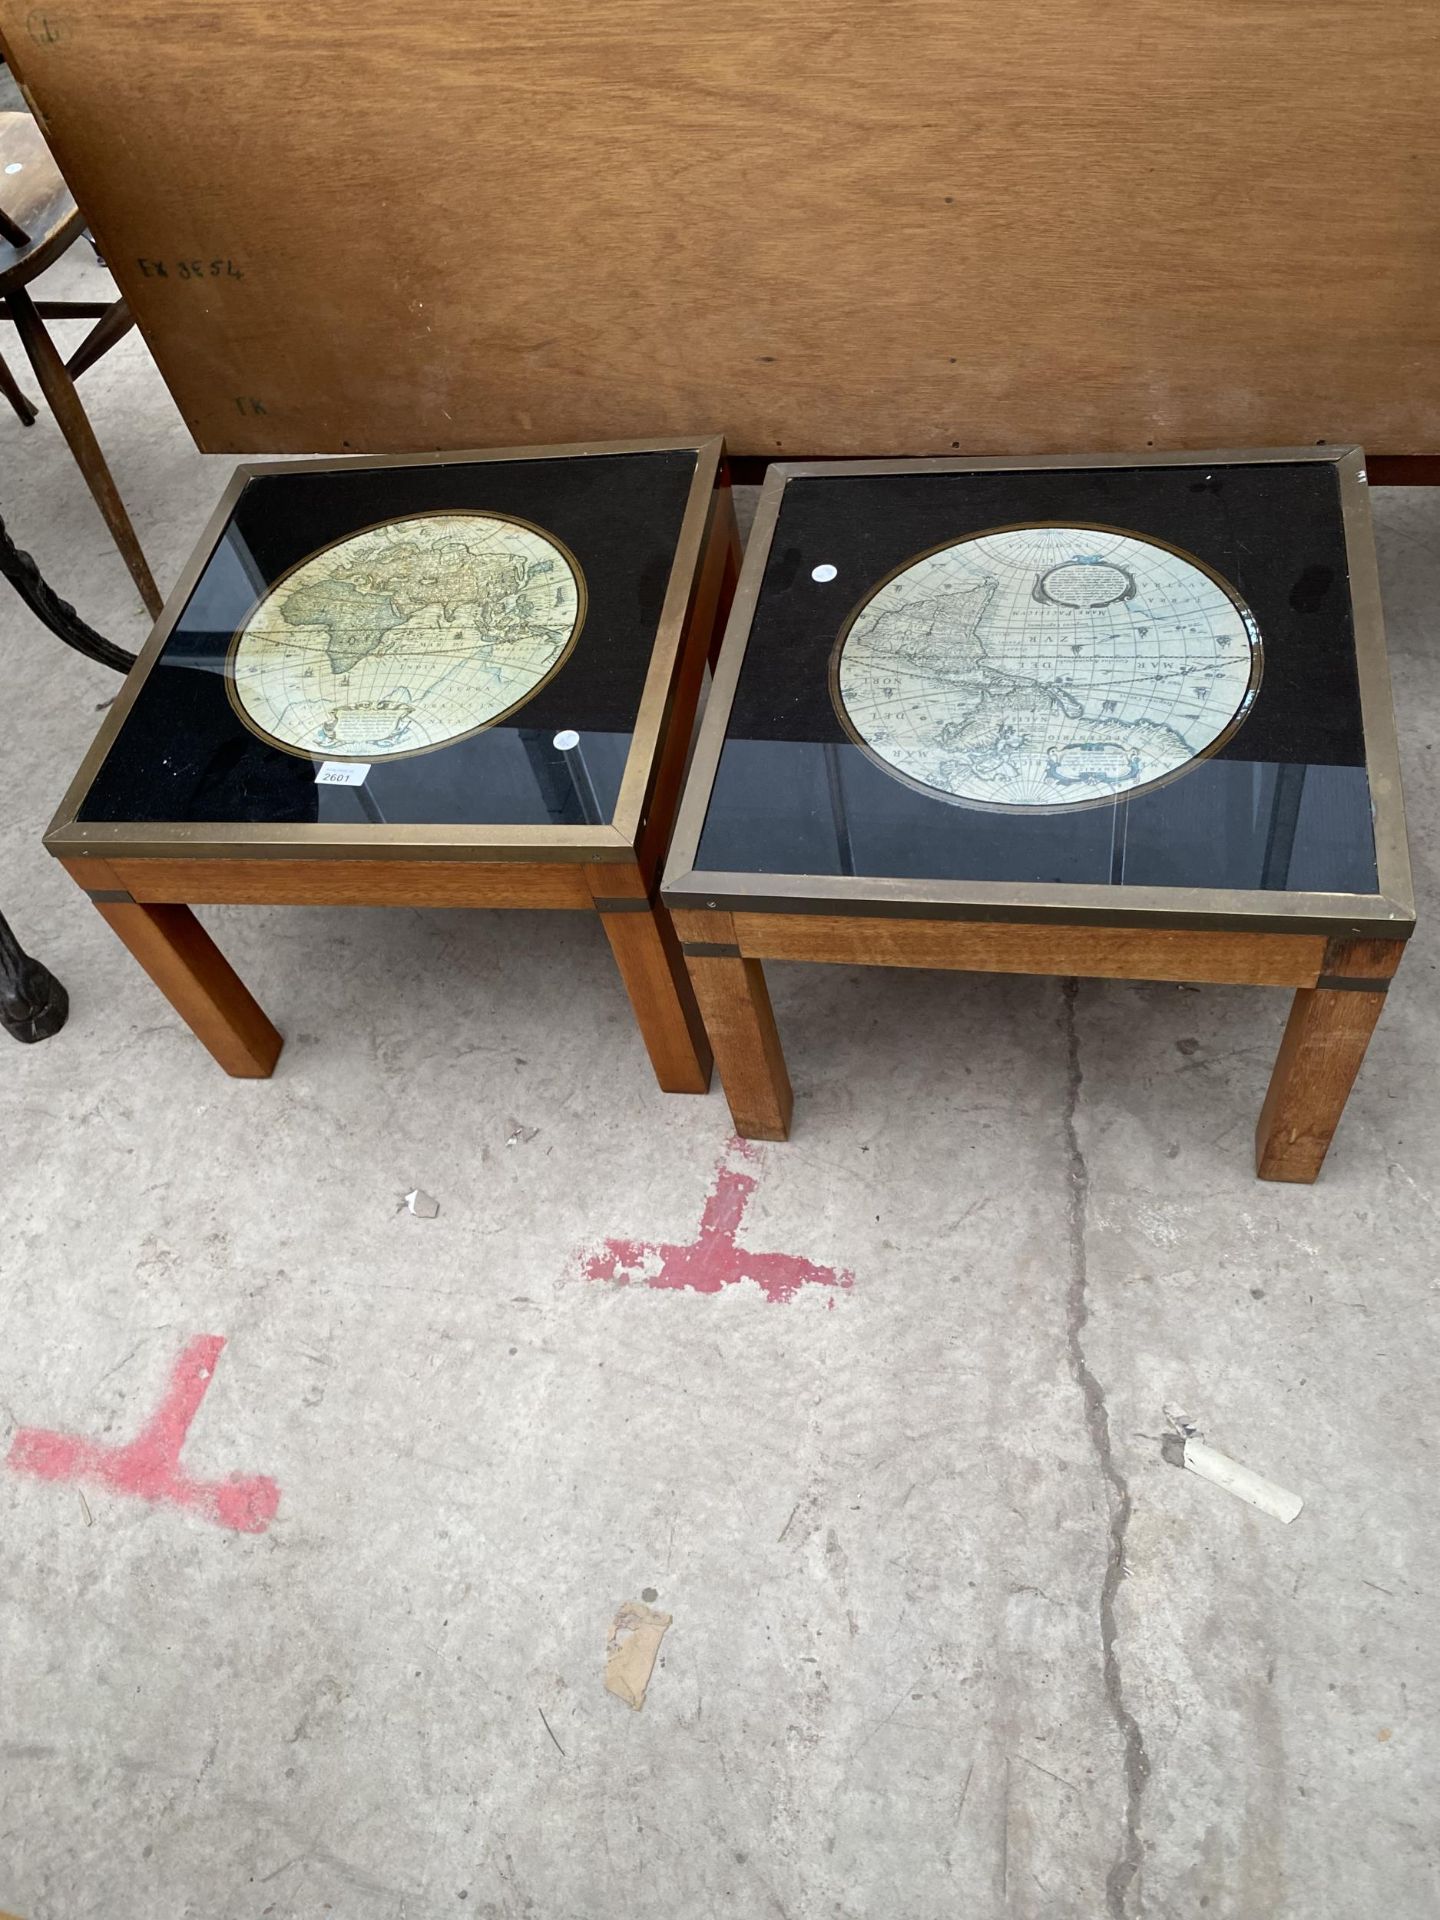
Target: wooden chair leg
<point x="16" y="395"/>
<point x="648" y="955"/>
<point x="59" y="389"/>
<point x="199" y="982"/>
<point x="1325" y="1040"/>
<point x="738" y="1018"/>
<point x="108" y="331"/>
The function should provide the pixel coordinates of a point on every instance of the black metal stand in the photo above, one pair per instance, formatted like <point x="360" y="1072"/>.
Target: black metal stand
<point x="33" y="1004"/>
<point x="61" y="618"/>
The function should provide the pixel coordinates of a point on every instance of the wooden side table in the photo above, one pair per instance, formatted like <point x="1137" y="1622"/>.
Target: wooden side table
<point x="926" y="660"/>
<point x="311" y="722"/>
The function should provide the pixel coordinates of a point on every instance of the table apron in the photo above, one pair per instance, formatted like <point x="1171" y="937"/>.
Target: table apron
<point x="1127" y="953"/>
<point x="337" y="883"/>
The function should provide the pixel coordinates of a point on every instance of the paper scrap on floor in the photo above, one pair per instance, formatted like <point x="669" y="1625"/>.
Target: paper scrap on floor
<point x="635" y="1636"/>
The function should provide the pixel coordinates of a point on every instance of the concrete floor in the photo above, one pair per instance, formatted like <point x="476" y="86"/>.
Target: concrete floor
<point x="896" y="1551"/>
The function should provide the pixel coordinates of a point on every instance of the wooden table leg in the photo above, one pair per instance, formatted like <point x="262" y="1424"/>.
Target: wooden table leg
<point x="738" y="1018"/>
<point x="199" y="982"/>
<point x="648" y="955"/>
<point x="1325" y="1040"/>
<point x="59" y="390"/>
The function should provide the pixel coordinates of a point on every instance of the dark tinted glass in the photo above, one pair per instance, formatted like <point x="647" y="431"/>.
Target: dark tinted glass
<point x="1282" y="804"/>
<point x="183" y="753"/>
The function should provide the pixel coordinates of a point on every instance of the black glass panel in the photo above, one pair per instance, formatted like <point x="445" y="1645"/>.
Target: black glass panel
<point x="184" y="754"/>
<point x="1282" y="804"/>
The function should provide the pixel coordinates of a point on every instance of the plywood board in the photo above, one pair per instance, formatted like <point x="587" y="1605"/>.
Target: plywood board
<point x="994" y="225"/>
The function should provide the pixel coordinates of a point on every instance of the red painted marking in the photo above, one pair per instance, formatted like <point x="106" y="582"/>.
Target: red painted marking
<point x="712" y="1260"/>
<point x="150" y="1465"/>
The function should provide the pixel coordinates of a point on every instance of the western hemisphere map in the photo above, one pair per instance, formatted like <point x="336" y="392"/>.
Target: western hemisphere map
<point x="1046" y="667"/>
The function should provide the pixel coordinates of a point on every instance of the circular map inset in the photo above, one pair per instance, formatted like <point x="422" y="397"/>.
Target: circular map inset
<point x="1038" y="668"/>
<point x="406" y="636"/>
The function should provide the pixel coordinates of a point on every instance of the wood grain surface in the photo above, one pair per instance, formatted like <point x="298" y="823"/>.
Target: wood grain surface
<point x="704" y="628"/>
<point x="647" y="952"/>
<point x="1001" y="226"/>
<point x="351" y="883"/>
<point x="201" y="985"/>
<point x="735" y="1006"/>
<point x="36" y="200"/>
<point x="1321" y="1053"/>
<point x="984" y="946"/>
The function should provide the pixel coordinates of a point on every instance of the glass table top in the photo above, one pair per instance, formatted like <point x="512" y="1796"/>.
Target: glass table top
<point x="477" y="633"/>
<point x="1112" y="676"/>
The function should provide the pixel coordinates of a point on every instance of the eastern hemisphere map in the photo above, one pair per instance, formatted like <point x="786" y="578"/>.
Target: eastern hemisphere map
<point x="406" y="636"/>
<point x="1045" y="667"/>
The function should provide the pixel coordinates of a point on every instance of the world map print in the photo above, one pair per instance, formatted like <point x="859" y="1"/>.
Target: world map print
<point x="406" y="636"/>
<point x="1046" y="667"/>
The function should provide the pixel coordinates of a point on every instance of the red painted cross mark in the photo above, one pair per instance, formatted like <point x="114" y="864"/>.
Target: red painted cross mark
<point x="712" y="1260"/>
<point x="150" y="1465"/>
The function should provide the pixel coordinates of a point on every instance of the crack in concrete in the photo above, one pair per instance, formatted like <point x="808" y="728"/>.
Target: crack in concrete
<point x="1122" y="1875"/>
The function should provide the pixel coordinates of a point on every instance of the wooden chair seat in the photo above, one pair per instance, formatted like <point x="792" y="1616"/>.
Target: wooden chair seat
<point x="34" y="199"/>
